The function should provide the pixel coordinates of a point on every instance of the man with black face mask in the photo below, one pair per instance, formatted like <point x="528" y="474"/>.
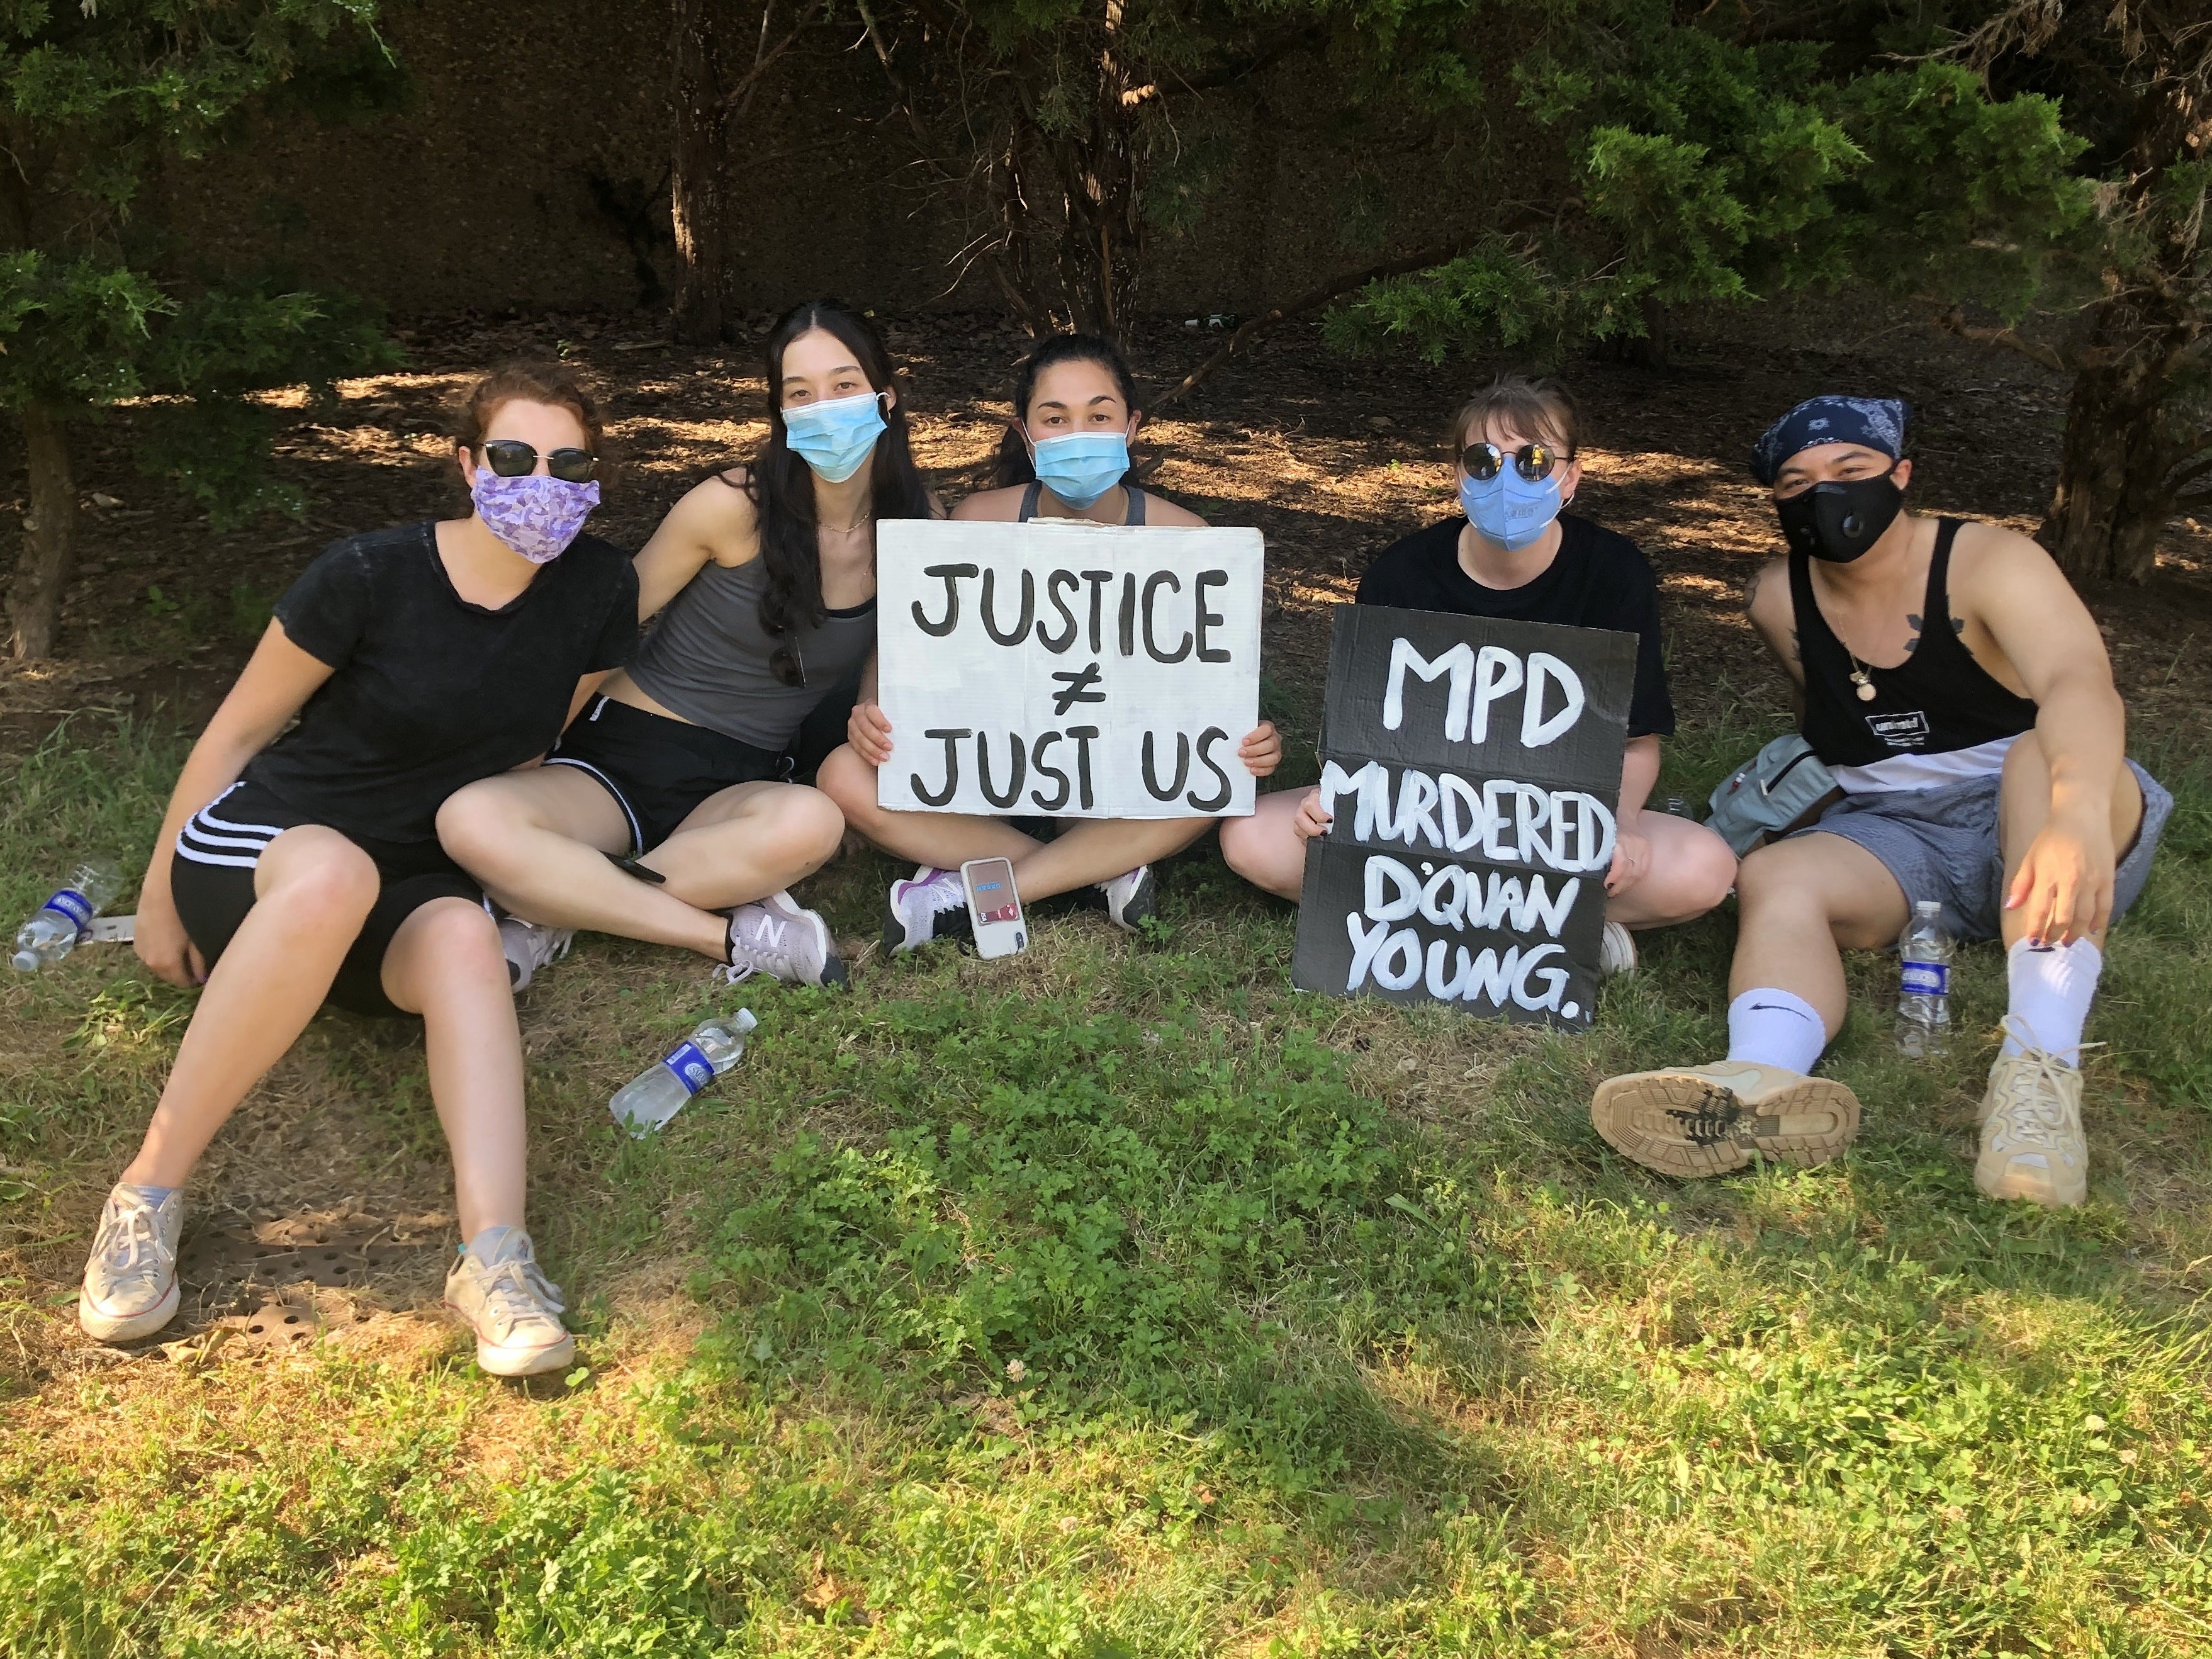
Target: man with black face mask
<point x="1957" y="689"/>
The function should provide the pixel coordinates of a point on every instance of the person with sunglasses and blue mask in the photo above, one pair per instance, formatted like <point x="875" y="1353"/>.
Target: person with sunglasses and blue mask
<point x="1065" y="456"/>
<point x="684" y="767"/>
<point x="1514" y="553"/>
<point x="299" y="862"/>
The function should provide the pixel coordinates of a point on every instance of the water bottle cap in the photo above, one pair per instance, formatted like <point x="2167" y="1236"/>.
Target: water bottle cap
<point x="25" y="962"/>
<point x="1928" y="907"/>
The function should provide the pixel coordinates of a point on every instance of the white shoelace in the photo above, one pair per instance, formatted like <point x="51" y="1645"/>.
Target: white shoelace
<point x="129" y="1248"/>
<point x="516" y="1293"/>
<point x="2034" y="1104"/>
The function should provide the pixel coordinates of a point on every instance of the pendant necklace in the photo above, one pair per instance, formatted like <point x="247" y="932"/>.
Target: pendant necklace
<point x="1861" y="675"/>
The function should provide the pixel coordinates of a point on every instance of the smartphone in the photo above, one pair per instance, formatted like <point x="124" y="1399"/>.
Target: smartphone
<point x="995" y="907"/>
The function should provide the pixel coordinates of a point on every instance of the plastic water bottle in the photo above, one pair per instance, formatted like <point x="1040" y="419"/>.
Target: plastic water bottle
<point x="1924" y="997"/>
<point x="63" y="920"/>
<point x="658" y="1093"/>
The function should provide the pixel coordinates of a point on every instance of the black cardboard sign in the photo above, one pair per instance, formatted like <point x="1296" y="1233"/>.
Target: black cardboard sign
<point x="1472" y="767"/>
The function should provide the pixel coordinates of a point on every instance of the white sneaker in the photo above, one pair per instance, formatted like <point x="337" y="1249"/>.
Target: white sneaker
<point x="2032" y="1146"/>
<point x="1616" y="952"/>
<point x="131" y="1282"/>
<point x="529" y="947"/>
<point x="499" y="1292"/>
<point x="1709" y="1120"/>
<point x="780" y="938"/>
<point x="932" y="905"/>
<point x="1132" y="900"/>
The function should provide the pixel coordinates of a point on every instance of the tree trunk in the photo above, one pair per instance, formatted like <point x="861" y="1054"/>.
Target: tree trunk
<point x="1102" y="242"/>
<point x="35" y="600"/>
<point x="697" y="203"/>
<point x="2114" y="497"/>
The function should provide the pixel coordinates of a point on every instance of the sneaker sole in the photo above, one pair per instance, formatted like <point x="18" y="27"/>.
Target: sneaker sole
<point x="1648" y="1118"/>
<point x="1143" y="904"/>
<point x="104" y="1327"/>
<point x="527" y="1362"/>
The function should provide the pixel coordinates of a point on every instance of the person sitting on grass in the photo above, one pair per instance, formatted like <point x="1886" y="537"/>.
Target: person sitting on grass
<point x="1957" y="689"/>
<point x="1513" y="552"/>
<point x="1065" y="456"/>
<point x="681" y="764"/>
<point x="295" y="868"/>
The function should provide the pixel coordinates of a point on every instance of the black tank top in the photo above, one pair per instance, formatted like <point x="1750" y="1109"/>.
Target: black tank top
<point x="1029" y="504"/>
<point x="1938" y="700"/>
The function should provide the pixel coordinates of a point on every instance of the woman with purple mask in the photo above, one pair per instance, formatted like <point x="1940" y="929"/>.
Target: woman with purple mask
<point x="300" y="866"/>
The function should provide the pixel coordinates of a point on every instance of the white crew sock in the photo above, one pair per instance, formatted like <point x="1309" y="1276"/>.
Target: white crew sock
<point x="2050" y="992"/>
<point x="1768" y="1027"/>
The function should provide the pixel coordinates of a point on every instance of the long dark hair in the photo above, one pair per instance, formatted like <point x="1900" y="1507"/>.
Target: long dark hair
<point x="1014" y="465"/>
<point x="782" y="484"/>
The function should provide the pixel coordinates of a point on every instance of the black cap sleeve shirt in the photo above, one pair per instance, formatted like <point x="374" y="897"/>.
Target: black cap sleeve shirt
<point x="428" y="692"/>
<point x="1599" y="579"/>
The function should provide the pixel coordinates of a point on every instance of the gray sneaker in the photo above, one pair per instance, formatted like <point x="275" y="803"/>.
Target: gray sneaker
<point x="932" y="904"/>
<point x="131" y="1282"/>
<point x="782" y="938"/>
<point x="501" y="1293"/>
<point x="529" y="947"/>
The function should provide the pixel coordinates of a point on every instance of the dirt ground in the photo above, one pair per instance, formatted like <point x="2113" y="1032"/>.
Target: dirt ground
<point x="1331" y="458"/>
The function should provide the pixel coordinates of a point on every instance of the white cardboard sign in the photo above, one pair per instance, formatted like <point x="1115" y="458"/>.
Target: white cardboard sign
<point x="1067" y="669"/>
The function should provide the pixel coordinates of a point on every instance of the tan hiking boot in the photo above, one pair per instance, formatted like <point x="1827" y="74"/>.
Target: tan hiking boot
<point x="2032" y="1146"/>
<point x="503" y="1296"/>
<point x="1709" y="1120"/>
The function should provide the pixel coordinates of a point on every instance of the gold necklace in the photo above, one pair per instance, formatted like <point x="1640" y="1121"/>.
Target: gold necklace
<point x="1862" y="674"/>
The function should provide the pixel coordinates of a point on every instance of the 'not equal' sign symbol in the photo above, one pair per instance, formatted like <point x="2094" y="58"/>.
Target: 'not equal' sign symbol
<point x="1076" y="687"/>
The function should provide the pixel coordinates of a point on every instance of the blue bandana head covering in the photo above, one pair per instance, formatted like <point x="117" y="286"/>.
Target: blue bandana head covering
<point x="1875" y="423"/>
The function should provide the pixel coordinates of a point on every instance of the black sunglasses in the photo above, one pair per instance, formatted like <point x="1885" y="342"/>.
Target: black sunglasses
<point x="511" y="458"/>
<point x="1533" y="461"/>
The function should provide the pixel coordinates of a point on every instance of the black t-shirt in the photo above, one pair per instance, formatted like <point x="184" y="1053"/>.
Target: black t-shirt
<point x="430" y="692"/>
<point x="1599" y="579"/>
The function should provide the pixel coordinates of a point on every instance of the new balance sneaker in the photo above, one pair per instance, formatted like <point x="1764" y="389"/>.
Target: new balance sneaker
<point x="1709" y="1120"/>
<point x="1616" y="952"/>
<point x="529" y="947"/>
<point x="1132" y="900"/>
<point x="932" y="905"/>
<point x="501" y="1293"/>
<point x="131" y="1282"/>
<point x="2032" y="1146"/>
<point x="782" y="938"/>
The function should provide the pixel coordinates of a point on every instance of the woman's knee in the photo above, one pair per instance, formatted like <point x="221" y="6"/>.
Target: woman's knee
<point x="1252" y="846"/>
<point x="453" y="940"/>
<point x="318" y="877"/>
<point x="811" y="821"/>
<point x="476" y="823"/>
<point x="1705" y="868"/>
<point x="849" y="784"/>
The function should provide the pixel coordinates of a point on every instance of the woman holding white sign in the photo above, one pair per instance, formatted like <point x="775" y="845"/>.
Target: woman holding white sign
<point x="680" y="766"/>
<point x="1065" y="457"/>
<point x="1515" y="554"/>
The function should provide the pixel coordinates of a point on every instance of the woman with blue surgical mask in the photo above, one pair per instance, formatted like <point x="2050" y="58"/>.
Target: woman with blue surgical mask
<point x="1064" y="455"/>
<point x="1513" y="551"/>
<point x="686" y="765"/>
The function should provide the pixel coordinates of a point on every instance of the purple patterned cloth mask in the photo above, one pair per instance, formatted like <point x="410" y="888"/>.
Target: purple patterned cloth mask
<point x="538" y="515"/>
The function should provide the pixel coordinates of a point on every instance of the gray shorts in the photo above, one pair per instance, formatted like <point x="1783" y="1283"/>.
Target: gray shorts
<point x="1941" y="844"/>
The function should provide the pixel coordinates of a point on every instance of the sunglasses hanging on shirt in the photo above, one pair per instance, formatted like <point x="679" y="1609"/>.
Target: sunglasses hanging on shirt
<point x="1484" y="461"/>
<point x="511" y="458"/>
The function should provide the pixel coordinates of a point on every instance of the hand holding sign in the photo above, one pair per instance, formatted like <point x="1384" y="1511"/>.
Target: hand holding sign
<point x="1465" y="817"/>
<point x="1076" y="670"/>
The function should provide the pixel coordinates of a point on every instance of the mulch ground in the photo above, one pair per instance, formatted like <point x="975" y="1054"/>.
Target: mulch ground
<point x="1331" y="457"/>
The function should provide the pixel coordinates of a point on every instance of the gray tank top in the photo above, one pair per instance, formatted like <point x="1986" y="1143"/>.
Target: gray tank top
<point x="1034" y="493"/>
<point x="707" y="658"/>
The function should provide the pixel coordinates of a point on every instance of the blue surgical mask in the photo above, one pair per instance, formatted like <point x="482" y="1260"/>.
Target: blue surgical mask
<point x="1082" y="466"/>
<point x="835" y="438"/>
<point x="1510" y="510"/>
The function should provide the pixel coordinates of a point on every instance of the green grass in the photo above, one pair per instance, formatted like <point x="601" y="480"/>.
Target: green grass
<point x="1120" y="1300"/>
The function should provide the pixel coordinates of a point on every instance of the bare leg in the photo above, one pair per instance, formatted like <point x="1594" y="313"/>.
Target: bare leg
<point x="1264" y="848"/>
<point x="445" y="964"/>
<point x="1087" y="850"/>
<point x="1691" y="870"/>
<point x="2023" y="807"/>
<point x="747" y="841"/>
<point x="1804" y="901"/>
<point x="312" y="888"/>
<point x="538" y="841"/>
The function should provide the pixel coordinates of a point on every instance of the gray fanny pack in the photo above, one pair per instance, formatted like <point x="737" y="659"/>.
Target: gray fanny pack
<point x="1782" y="788"/>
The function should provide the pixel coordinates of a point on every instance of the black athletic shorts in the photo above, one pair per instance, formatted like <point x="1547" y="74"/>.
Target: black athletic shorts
<point x="657" y="769"/>
<point x="211" y="880"/>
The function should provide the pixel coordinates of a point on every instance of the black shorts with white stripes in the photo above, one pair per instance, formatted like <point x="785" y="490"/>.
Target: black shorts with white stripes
<point x="211" y="880"/>
<point x="657" y="769"/>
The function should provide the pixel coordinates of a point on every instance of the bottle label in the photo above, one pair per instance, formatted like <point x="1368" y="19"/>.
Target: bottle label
<point x="692" y="1067"/>
<point x="1930" y="979"/>
<point x="74" y="905"/>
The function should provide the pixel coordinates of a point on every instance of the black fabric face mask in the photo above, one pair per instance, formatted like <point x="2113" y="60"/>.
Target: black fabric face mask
<point x="1839" y="521"/>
